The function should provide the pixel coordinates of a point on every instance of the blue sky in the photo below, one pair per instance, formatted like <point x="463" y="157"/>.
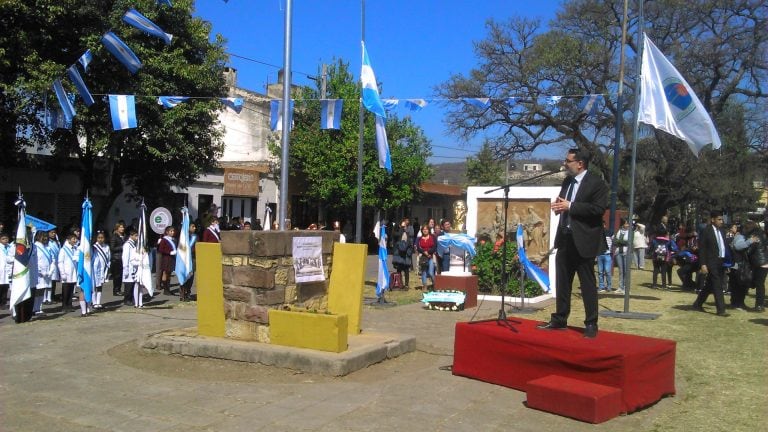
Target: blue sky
<point x="413" y="45"/>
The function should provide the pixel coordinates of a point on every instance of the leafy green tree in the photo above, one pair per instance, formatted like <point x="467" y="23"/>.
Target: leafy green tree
<point x="484" y="169"/>
<point x="40" y="39"/>
<point x="327" y="159"/>
<point x="719" y="47"/>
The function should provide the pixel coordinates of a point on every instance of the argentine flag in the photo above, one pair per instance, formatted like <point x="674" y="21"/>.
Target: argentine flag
<point x="532" y="270"/>
<point x="20" y="283"/>
<point x="77" y="80"/>
<point x="415" y="104"/>
<point x="134" y="18"/>
<point x="382" y="282"/>
<point x="121" y="51"/>
<point x="482" y="103"/>
<point x="588" y="105"/>
<point x="184" y="250"/>
<point x="235" y="103"/>
<point x="372" y="103"/>
<point x="170" y="101"/>
<point x="66" y="104"/>
<point x="276" y="115"/>
<point x="85" y="59"/>
<point x="144" y="272"/>
<point x="85" y="262"/>
<point x="330" y="113"/>
<point x="123" y="109"/>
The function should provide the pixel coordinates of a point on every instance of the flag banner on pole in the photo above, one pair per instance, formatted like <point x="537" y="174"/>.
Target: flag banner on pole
<point x="415" y="104"/>
<point x="382" y="281"/>
<point x="330" y="113"/>
<point x="123" y="109"/>
<point x="85" y="261"/>
<point x="165" y="2"/>
<point x="371" y="99"/>
<point x="184" y="250"/>
<point x="85" y="59"/>
<point x="21" y="288"/>
<point x="276" y="115"/>
<point x="668" y="103"/>
<point x="482" y="103"/>
<point x="66" y="105"/>
<point x="77" y="80"/>
<point x="121" y="51"/>
<point x="385" y="160"/>
<point x="267" y="218"/>
<point x="144" y="272"/>
<point x="589" y="104"/>
<point x="390" y="104"/>
<point x="532" y="270"/>
<point x="134" y="18"/>
<point x="171" y="101"/>
<point x="235" y="103"/>
<point x="38" y="224"/>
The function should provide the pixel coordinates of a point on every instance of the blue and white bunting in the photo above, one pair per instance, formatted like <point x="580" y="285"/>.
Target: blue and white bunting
<point x="553" y="100"/>
<point x="382" y="145"/>
<point x="66" y="105"/>
<point x="589" y="103"/>
<point x="123" y="110"/>
<point x="121" y="51"/>
<point x="85" y="60"/>
<point x="184" y="250"/>
<point x="77" y="80"/>
<point x="165" y="2"/>
<point x="482" y="103"/>
<point x="276" y="115"/>
<point x="134" y="18"/>
<point x="532" y="270"/>
<point x="330" y="113"/>
<point x="171" y="101"/>
<point x="415" y="104"/>
<point x="21" y="288"/>
<point x="390" y="104"/>
<point x="382" y="281"/>
<point x="85" y="261"/>
<point x="235" y="103"/>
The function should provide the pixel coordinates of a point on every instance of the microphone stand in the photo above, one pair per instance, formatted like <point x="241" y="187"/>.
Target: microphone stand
<point x="504" y="274"/>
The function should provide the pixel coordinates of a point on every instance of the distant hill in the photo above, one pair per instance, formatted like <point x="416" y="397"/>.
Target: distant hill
<point x="450" y="173"/>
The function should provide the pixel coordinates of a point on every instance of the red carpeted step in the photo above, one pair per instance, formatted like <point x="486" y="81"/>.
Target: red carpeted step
<point x="582" y="400"/>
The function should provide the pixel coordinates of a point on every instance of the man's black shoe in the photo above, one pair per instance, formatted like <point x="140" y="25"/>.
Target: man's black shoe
<point x="590" y="331"/>
<point x="697" y="307"/>
<point x="551" y="326"/>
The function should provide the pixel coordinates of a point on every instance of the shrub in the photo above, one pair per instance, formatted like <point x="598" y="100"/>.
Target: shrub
<point x="487" y="266"/>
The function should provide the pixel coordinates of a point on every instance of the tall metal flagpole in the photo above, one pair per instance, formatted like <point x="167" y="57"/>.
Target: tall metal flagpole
<point x="359" y="209"/>
<point x="619" y="124"/>
<point x="635" y="132"/>
<point x="285" y="142"/>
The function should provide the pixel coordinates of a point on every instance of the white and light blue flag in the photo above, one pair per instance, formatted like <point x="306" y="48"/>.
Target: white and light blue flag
<point x="236" y="103"/>
<point x="461" y="241"/>
<point x="330" y="113"/>
<point x="165" y="2"/>
<point x="123" y="109"/>
<point x="553" y="100"/>
<point x="85" y="60"/>
<point x="589" y="104"/>
<point x="21" y="276"/>
<point x="390" y="104"/>
<point x="385" y="159"/>
<point x="415" y="104"/>
<point x="276" y="115"/>
<point x="171" y="101"/>
<point x="144" y="272"/>
<point x="382" y="281"/>
<point x="134" y="18"/>
<point x="371" y="98"/>
<point x="77" y="80"/>
<point x="668" y="103"/>
<point x="85" y="261"/>
<point x="184" y="250"/>
<point x="482" y="103"/>
<point x="532" y="270"/>
<point x="121" y="51"/>
<point x="66" y="105"/>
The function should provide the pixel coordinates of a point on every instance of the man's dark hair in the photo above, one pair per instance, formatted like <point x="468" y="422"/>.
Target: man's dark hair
<point x="582" y="155"/>
<point x="715" y="213"/>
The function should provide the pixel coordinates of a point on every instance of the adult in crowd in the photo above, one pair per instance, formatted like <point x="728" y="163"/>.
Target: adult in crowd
<point x="403" y="254"/>
<point x="754" y="246"/>
<point x="426" y="246"/>
<point x="712" y="252"/>
<point x="581" y="204"/>
<point x="166" y="247"/>
<point x="116" y="242"/>
<point x="621" y="252"/>
<point x="212" y="233"/>
<point x="444" y="252"/>
<point x="604" y="262"/>
<point x="639" y="244"/>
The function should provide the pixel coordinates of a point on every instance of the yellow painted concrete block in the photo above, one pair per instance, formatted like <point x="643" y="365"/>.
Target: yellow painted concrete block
<point x="210" y="290"/>
<point x="345" y="289"/>
<point x="318" y="331"/>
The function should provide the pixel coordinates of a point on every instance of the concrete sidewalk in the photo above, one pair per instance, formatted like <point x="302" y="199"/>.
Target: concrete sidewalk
<point x="80" y="374"/>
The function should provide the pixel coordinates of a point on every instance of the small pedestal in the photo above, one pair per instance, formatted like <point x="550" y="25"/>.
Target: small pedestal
<point x="466" y="283"/>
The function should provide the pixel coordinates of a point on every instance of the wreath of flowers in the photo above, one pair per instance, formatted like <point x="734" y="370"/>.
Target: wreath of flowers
<point x="445" y="305"/>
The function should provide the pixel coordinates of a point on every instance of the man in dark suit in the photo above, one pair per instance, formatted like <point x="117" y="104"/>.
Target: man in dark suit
<point x="712" y="251"/>
<point x="581" y="204"/>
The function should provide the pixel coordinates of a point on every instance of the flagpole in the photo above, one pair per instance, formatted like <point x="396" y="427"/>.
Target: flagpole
<point x="361" y="117"/>
<point x="285" y="141"/>
<point x="628" y="274"/>
<point x="619" y="124"/>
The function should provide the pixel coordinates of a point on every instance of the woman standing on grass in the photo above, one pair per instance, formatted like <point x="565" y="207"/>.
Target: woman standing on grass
<point x="426" y="246"/>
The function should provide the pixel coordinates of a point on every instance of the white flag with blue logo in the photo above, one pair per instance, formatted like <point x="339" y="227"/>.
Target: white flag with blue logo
<point x="184" y="250"/>
<point x="276" y="115"/>
<point x="134" y="18"/>
<point x="382" y="282"/>
<point x="123" y="109"/>
<point x="330" y="113"/>
<point x="668" y="103"/>
<point x="85" y="261"/>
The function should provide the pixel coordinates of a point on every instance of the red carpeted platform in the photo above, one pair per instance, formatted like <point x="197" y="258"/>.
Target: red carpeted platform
<point x="511" y="354"/>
